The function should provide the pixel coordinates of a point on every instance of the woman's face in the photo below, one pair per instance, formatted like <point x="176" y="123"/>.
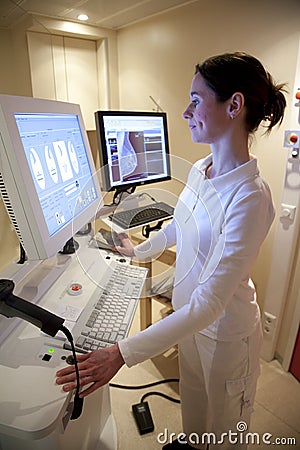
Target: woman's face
<point x="207" y="118"/>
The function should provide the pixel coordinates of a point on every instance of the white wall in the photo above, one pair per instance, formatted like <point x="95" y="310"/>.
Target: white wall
<point x="6" y="82"/>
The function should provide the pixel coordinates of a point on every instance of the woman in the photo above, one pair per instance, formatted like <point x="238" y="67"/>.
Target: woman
<point x="220" y="221"/>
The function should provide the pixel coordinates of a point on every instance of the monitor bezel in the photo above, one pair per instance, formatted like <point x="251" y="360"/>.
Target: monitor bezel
<point x="103" y="153"/>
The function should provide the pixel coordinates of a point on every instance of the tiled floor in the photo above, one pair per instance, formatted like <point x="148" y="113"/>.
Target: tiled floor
<point x="277" y="405"/>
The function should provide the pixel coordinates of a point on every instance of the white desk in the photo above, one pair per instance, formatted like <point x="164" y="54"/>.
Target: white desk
<point x="34" y="412"/>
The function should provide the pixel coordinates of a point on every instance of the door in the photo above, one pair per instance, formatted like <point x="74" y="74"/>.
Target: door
<point x="65" y="68"/>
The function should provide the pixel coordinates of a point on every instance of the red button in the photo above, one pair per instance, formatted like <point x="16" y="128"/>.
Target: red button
<point x="75" y="287"/>
<point x="293" y="138"/>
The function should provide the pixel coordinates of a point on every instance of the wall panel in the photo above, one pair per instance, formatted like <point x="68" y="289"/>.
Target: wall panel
<point x="65" y="68"/>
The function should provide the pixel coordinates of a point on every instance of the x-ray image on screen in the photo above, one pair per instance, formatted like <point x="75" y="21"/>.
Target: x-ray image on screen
<point x="133" y="147"/>
<point x="126" y="154"/>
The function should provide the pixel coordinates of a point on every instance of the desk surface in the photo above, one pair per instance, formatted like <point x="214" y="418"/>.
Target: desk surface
<point x="31" y="404"/>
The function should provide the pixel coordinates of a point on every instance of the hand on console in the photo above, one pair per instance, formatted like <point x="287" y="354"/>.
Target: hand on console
<point x="95" y="369"/>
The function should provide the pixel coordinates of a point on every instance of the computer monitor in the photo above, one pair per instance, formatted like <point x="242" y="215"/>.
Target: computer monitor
<point x="47" y="176"/>
<point x="133" y="148"/>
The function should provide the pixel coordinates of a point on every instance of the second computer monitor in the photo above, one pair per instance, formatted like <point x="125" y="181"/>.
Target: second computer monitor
<point x="134" y="148"/>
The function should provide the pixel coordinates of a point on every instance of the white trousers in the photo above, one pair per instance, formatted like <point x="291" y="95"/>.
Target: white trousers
<point x="217" y="387"/>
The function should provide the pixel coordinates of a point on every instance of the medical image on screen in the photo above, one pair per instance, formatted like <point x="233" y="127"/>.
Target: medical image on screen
<point x="59" y="165"/>
<point x="135" y="155"/>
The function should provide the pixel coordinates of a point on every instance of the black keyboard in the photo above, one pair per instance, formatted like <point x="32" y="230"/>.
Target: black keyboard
<point x="142" y="215"/>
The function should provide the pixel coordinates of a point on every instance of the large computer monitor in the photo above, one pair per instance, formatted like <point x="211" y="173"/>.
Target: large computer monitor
<point x="133" y="148"/>
<point x="47" y="176"/>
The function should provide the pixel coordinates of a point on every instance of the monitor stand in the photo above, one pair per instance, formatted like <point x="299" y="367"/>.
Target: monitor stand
<point x="120" y="191"/>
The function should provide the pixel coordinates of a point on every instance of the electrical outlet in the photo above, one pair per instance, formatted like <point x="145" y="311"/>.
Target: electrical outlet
<point x="269" y="324"/>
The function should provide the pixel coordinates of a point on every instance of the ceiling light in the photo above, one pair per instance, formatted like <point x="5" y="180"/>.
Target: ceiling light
<point x="82" y="17"/>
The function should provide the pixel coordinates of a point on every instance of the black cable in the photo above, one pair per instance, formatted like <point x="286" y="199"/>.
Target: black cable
<point x="70" y="247"/>
<point x="146" y="230"/>
<point x="150" y="196"/>
<point x="160" y="394"/>
<point x="144" y="386"/>
<point x="78" y="402"/>
<point x="84" y="232"/>
<point x="118" y="196"/>
<point x="23" y="256"/>
<point x="116" y="199"/>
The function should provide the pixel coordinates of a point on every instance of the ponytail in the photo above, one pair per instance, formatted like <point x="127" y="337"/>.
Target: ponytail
<point x="276" y="104"/>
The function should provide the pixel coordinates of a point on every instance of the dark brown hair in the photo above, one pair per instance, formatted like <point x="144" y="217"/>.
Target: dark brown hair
<point x="238" y="72"/>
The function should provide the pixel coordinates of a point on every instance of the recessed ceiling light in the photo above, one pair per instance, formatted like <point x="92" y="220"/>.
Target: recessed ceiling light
<point x="82" y="17"/>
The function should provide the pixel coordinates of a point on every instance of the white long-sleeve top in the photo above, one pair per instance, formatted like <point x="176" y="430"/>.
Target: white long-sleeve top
<point x="218" y="227"/>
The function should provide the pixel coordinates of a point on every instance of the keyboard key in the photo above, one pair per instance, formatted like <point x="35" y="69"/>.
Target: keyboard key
<point x="107" y="317"/>
<point x="80" y="341"/>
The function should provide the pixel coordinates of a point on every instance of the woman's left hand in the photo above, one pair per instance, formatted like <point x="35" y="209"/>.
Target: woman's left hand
<point x="127" y="247"/>
<point x="96" y="367"/>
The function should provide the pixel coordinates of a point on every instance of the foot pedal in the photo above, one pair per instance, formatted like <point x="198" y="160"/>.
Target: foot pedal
<point x="142" y="416"/>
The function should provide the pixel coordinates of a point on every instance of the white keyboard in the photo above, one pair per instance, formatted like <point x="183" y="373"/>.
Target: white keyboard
<point x="108" y="315"/>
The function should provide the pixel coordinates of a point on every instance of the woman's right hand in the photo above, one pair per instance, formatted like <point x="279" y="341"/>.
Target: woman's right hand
<point x="96" y="368"/>
<point x="127" y="247"/>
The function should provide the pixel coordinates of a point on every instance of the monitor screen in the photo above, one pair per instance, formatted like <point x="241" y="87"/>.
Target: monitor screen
<point x="48" y="179"/>
<point x="59" y="165"/>
<point x="134" y="148"/>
